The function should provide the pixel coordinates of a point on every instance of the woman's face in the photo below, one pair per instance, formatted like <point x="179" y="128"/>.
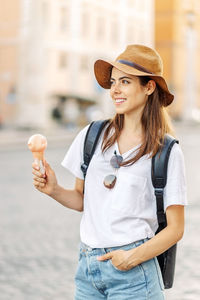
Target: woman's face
<point x="128" y="95"/>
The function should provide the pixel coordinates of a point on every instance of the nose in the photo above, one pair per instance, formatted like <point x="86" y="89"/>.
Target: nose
<point x="116" y="88"/>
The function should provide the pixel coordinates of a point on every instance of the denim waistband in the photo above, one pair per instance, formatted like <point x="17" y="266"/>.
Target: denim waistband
<point x="88" y="249"/>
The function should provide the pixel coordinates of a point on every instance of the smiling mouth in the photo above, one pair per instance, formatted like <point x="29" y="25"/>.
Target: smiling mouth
<point x="120" y="100"/>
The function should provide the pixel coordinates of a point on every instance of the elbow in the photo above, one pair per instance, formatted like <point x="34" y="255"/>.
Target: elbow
<point x="79" y="201"/>
<point x="175" y="233"/>
<point x="180" y="231"/>
<point x="80" y="209"/>
<point x="79" y="206"/>
<point x="178" y="234"/>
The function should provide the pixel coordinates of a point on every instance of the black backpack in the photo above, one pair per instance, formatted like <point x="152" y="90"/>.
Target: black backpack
<point x="159" y="179"/>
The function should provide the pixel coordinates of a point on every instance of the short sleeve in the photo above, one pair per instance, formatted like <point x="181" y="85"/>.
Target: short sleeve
<point x="175" y="190"/>
<point x="74" y="156"/>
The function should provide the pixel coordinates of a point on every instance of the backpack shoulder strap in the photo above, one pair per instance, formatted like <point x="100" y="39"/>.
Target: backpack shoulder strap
<point x="159" y="176"/>
<point x="91" y="139"/>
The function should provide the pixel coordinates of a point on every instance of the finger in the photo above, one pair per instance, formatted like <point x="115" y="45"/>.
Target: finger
<point x="37" y="173"/>
<point x="39" y="179"/>
<point x="38" y="185"/>
<point x="46" y="166"/>
<point x="105" y="256"/>
<point x="38" y="167"/>
<point x="35" y="166"/>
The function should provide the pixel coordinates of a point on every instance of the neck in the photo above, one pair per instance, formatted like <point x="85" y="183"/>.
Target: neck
<point x="132" y="124"/>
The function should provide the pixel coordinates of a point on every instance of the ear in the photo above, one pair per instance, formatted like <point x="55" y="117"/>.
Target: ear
<point x="150" y="87"/>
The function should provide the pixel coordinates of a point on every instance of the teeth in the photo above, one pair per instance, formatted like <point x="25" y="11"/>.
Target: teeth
<point x="120" y="100"/>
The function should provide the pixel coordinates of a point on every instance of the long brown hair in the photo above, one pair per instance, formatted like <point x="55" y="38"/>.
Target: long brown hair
<point x="155" y="124"/>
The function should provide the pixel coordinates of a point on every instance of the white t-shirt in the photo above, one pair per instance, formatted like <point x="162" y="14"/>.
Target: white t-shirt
<point x="126" y="213"/>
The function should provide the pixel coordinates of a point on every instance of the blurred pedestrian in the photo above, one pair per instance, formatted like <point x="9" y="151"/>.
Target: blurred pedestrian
<point x="118" y="246"/>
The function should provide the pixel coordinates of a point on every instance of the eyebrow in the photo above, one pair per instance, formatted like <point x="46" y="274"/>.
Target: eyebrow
<point x="121" y="78"/>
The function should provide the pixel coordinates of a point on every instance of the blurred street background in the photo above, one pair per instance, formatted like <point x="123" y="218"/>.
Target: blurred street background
<point x="47" y="85"/>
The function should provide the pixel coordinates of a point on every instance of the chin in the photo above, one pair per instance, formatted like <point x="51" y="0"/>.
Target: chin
<point x="120" y="111"/>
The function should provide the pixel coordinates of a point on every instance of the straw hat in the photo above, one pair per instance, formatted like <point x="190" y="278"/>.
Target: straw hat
<point x="137" y="60"/>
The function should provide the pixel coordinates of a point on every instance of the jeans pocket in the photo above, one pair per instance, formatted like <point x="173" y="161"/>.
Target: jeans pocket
<point x="121" y="271"/>
<point x="134" y="276"/>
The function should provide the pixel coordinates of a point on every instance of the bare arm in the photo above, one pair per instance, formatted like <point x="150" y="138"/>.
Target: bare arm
<point x="125" y="260"/>
<point x="48" y="184"/>
<point x="70" y="198"/>
<point x="162" y="241"/>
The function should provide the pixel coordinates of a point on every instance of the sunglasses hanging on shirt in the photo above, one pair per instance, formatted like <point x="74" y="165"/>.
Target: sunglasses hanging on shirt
<point x="110" y="180"/>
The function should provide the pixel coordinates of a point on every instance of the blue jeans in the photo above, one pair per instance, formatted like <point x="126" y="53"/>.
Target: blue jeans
<point x="97" y="280"/>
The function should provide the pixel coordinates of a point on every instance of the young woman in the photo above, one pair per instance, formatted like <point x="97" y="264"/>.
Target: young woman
<point x="118" y="246"/>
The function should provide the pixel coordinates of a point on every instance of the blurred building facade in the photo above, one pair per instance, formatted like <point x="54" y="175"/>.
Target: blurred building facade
<point x="56" y="44"/>
<point x="177" y="28"/>
<point x="9" y="42"/>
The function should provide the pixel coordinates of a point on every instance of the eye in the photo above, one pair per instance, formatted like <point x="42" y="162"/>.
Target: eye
<point x="124" y="81"/>
<point x="112" y="82"/>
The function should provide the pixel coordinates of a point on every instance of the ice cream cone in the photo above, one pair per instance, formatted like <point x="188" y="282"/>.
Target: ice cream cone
<point x="38" y="155"/>
<point x="37" y="143"/>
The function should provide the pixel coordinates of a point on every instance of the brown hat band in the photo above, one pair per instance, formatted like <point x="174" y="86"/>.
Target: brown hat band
<point x="134" y="65"/>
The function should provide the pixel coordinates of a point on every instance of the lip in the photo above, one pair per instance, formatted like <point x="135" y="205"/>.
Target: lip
<point x="119" y="101"/>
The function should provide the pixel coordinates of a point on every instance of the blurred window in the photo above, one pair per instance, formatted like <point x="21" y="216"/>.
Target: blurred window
<point x="63" y="60"/>
<point x="130" y="34"/>
<point x="114" y="30"/>
<point x="100" y="27"/>
<point x="64" y="19"/>
<point x="131" y="30"/>
<point x="85" y="23"/>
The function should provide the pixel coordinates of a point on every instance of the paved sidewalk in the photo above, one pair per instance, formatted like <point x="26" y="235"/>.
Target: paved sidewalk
<point x="39" y="237"/>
